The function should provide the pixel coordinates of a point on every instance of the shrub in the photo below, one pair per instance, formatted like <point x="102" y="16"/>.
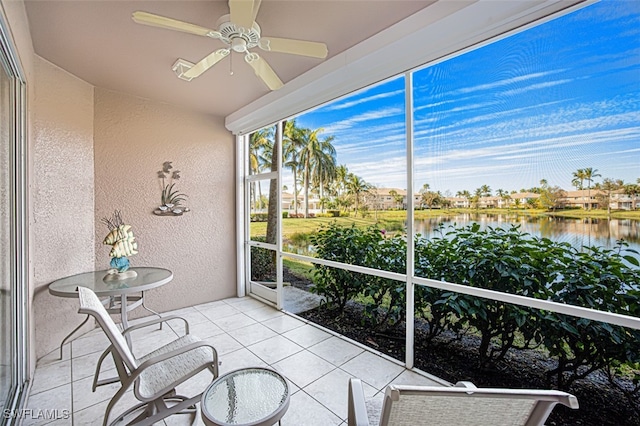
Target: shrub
<point x="495" y="259"/>
<point x="259" y="217"/>
<point x="345" y="245"/>
<point x="384" y="299"/>
<point x="507" y="261"/>
<point x="594" y="278"/>
<point x="263" y="266"/>
<point x="386" y="304"/>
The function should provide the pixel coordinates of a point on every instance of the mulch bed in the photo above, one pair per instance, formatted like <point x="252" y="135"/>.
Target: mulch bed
<point x="455" y="359"/>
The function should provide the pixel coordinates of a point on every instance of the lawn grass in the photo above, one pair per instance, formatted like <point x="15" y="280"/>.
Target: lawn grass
<point x="597" y="214"/>
<point x="299" y="268"/>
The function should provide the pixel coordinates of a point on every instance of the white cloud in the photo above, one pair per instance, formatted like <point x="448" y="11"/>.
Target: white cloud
<point x="358" y="119"/>
<point x="536" y="86"/>
<point x="536" y="147"/>
<point x="627" y="151"/>
<point x="349" y="104"/>
<point x="507" y="81"/>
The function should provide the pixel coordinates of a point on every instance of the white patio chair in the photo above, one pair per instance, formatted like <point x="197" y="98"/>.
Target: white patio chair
<point x="462" y="404"/>
<point x="153" y="376"/>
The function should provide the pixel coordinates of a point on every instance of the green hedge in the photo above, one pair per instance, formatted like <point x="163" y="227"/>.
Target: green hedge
<point x="505" y="260"/>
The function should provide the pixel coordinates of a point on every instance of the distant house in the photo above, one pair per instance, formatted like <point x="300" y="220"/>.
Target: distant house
<point x="385" y="198"/>
<point x="513" y="200"/>
<point x="288" y="203"/>
<point x="623" y="201"/>
<point x="459" y="202"/>
<point x="488" y="202"/>
<point x="523" y="198"/>
<point x="582" y="198"/>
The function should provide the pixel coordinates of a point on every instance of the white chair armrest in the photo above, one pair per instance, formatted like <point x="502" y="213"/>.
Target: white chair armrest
<point x="184" y="349"/>
<point x="156" y="321"/>
<point x="465" y="384"/>
<point x="357" y="415"/>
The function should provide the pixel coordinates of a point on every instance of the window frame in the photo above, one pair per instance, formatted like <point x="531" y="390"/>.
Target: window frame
<point x="18" y="208"/>
<point x="278" y="108"/>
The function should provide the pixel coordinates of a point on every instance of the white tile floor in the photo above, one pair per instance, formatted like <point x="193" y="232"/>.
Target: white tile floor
<point x="245" y="332"/>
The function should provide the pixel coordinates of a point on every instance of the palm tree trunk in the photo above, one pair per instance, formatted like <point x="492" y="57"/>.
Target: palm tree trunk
<point x="295" y="192"/>
<point x="272" y="216"/>
<point x="306" y="190"/>
<point x="321" y="196"/>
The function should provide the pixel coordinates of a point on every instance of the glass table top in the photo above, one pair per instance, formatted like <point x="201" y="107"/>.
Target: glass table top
<point x="250" y="396"/>
<point x="147" y="278"/>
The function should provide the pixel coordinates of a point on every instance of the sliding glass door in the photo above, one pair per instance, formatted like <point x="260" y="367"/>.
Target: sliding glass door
<point x="13" y="261"/>
<point x="6" y="346"/>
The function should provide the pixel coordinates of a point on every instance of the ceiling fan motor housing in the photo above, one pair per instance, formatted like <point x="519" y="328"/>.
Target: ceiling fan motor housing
<point x="238" y="38"/>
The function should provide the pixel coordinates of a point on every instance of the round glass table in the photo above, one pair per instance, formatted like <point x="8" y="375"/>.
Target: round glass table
<point x="249" y="397"/>
<point x="119" y="292"/>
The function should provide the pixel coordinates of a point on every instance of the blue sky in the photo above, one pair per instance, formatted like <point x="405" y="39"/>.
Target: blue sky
<point x="539" y="104"/>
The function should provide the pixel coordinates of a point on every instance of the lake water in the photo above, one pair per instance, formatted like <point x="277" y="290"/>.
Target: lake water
<point x="577" y="232"/>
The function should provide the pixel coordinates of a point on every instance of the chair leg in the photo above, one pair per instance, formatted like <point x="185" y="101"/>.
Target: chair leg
<point x="113" y="402"/>
<point x="141" y="416"/>
<point x="163" y="411"/>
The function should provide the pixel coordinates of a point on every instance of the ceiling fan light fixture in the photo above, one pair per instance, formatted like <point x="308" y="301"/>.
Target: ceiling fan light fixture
<point x="239" y="45"/>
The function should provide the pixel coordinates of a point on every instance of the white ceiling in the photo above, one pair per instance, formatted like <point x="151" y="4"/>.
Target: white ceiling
<point x="98" y="42"/>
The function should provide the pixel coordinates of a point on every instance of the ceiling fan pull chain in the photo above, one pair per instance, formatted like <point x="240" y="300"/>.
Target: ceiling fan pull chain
<point x="231" y="64"/>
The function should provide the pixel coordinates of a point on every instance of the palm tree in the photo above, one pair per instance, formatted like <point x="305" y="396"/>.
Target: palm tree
<point x="314" y="152"/>
<point x="578" y="179"/>
<point x="589" y="174"/>
<point x="260" y="153"/>
<point x="356" y="186"/>
<point x="340" y="181"/>
<point x="292" y="145"/>
<point x="272" y="208"/>
<point x="260" y="149"/>
<point x="339" y="186"/>
<point x="324" y="171"/>
<point x="485" y="191"/>
<point x="431" y="198"/>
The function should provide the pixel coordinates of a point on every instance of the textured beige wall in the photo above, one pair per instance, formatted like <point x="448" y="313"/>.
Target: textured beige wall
<point x="133" y="137"/>
<point x="62" y="195"/>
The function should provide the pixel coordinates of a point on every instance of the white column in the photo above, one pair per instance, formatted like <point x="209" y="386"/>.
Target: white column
<point x="410" y="304"/>
<point x="241" y="217"/>
<point x="279" y="298"/>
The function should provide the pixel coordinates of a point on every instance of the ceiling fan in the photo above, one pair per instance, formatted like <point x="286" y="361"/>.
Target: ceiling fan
<point x="239" y="31"/>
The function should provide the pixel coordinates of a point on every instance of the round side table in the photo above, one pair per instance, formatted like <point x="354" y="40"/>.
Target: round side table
<point x="248" y="396"/>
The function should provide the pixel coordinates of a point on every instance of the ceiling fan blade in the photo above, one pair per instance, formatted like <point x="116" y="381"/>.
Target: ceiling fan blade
<point x="206" y="63"/>
<point x="256" y="7"/>
<point x="296" y="47"/>
<point x="264" y="71"/>
<point x="243" y="12"/>
<point x="152" y="20"/>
